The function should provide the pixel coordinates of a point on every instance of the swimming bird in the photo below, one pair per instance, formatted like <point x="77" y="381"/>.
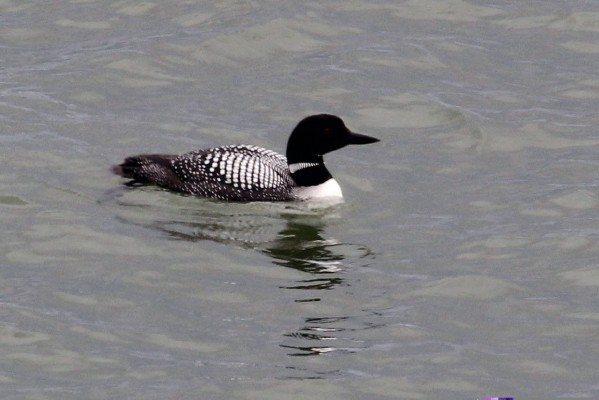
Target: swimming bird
<point x="252" y="173"/>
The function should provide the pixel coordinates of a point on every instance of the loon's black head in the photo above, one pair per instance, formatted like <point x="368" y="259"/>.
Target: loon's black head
<point x="320" y="134"/>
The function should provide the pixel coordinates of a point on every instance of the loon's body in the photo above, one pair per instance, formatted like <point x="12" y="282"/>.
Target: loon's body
<point x="251" y="173"/>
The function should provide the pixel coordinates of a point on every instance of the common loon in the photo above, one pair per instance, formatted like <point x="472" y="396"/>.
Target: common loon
<point x="251" y="173"/>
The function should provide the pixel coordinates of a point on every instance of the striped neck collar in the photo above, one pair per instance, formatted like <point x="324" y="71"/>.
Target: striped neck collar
<point x="309" y="173"/>
<point x="293" y="168"/>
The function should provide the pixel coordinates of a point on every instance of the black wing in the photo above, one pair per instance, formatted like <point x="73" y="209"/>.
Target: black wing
<point x="235" y="173"/>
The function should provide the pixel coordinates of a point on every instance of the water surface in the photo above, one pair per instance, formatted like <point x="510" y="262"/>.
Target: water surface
<point x="462" y="264"/>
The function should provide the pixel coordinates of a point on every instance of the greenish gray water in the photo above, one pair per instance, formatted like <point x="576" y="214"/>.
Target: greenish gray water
<point x="463" y="263"/>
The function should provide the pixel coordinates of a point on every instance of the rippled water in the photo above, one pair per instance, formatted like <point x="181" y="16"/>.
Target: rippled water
<point x="462" y="264"/>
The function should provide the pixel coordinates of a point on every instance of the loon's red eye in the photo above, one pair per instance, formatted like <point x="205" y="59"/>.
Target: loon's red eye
<point x="327" y="131"/>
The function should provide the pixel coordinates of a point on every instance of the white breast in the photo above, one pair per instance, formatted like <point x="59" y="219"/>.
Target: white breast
<point x="328" y="189"/>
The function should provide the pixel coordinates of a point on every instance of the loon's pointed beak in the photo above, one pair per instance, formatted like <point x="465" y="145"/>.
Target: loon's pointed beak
<point x="358" y="138"/>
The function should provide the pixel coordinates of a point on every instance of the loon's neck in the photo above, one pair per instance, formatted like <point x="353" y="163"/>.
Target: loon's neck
<point x="309" y="172"/>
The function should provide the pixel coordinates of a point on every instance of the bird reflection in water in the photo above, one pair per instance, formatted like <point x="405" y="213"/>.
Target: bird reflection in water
<point x="293" y="240"/>
<point x="300" y="246"/>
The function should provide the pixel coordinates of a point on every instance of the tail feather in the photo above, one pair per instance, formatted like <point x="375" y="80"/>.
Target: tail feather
<point x="150" y="169"/>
